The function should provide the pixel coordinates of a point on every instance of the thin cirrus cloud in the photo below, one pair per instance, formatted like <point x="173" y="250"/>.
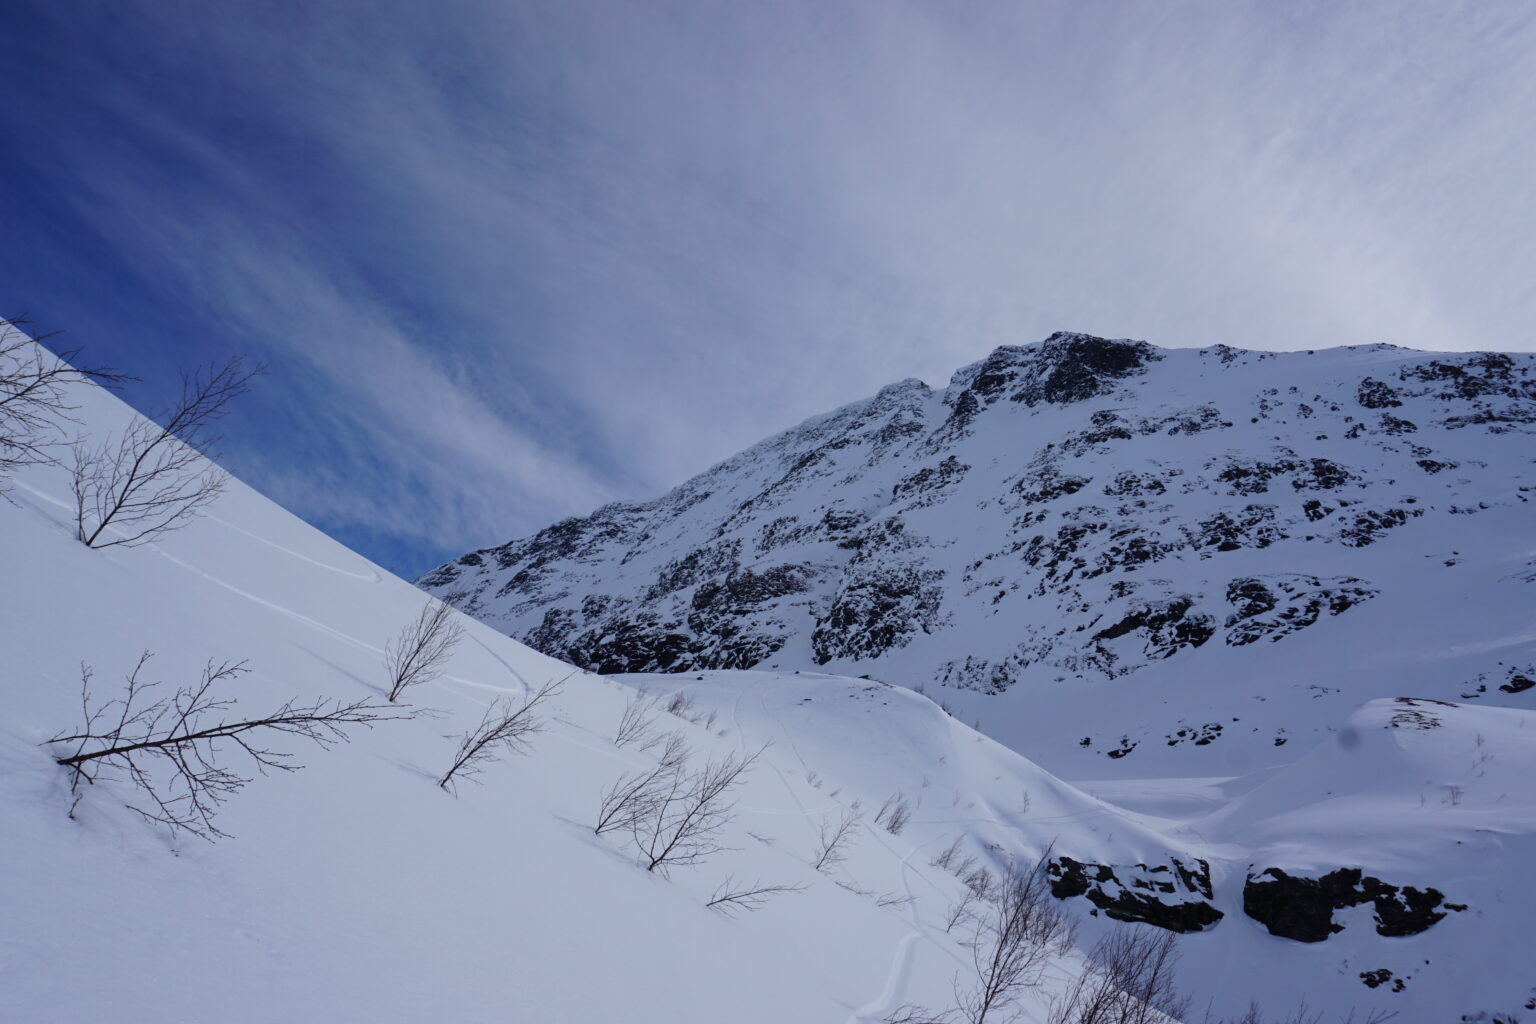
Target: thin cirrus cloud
<point x="510" y="260"/>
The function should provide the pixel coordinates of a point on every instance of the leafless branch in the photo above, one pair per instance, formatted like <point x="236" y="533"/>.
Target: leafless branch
<point x="169" y="749"/>
<point x="909" y="1013"/>
<point x="1129" y="979"/>
<point x="682" y="705"/>
<point x="894" y="813"/>
<point x="946" y="859"/>
<point x="1013" y="943"/>
<point x="417" y="655"/>
<point x="833" y="839"/>
<point x="503" y="729"/>
<point x="637" y="725"/>
<point x="156" y="477"/>
<point x="731" y="899"/>
<point x="687" y="813"/>
<point x="978" y="880"/>
<point x="35" y="400"/>
<point x="633" y="796"/>
<point x="1303" y="1014"/>
<point x="960" y="911"/>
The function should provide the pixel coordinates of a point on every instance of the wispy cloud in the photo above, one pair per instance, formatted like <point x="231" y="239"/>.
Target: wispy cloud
<point x="511" y="259"/>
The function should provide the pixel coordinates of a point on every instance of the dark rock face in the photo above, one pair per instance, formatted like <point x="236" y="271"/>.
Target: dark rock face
<point x="1362" y="527"/>
<point x="1519" y="682"/>
<point x="1253" y="476"/>
<point x="1075" y="367"/>
<point x="876" y="611"/>
<point x="1417" y="713"/>
<point x="1276" y="606"/>
<point x="1064" y="368"/>
<point x="1169" y="627"/>
<point x="929" y="479"/>
<point x="1300" y="908"/>
<point x="1159" y="895"/>
<point x="1382" y="976"/>
<point x="1252" y="526"/>
<point x="742" y="589"/>
<point x="1373" y="394"/>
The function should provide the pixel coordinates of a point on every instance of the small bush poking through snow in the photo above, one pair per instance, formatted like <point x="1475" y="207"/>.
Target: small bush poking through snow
<point x="731" y="898"/>
<point x="833" y="840"/>
<point x="503" y="729"/>
<point x="155" y="477"/>
<point x="894" y="813"/>
<point x="674" y="816"/>
<point x="423" y="647"/>
<point x="637" y="725"/>
<point x="170" y="749"/>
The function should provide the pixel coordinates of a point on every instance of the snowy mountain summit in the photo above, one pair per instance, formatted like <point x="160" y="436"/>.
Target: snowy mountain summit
<point x="1116" y="558"/>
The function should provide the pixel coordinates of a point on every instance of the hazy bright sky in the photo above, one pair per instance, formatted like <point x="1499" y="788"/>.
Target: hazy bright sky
<point x="507" y="261"/>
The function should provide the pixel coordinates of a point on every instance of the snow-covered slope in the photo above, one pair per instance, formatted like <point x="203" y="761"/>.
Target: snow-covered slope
<point x="1117" y="559"/>
<point x="356" y="889"/>
<point x="1404" y="840"/>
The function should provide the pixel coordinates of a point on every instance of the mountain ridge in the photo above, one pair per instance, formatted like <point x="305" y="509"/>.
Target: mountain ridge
<point x="1065" y="514"/>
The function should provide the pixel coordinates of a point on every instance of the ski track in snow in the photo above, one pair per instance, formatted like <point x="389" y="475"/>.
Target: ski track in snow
<point x="901" y="960"/>
<point x="367" y="577"/>
<point x="901" y="965"/>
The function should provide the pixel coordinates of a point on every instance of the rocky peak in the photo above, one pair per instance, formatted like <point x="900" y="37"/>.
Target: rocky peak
<point x="1066" y="367"/>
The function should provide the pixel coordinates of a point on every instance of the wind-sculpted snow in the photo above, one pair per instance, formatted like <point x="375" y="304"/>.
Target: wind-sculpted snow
<point x="1139" y="540"/>
<point x="1375" y="872"/>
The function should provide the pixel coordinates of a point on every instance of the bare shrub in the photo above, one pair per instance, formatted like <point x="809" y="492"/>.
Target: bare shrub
<point x="908" y="1013"/>
<point x="1129" y="979"/>
<point x="947" y="858"/>
<point x="894" y="813"/>
<point x="418" y="654"/>
<point x="633" y="796"/>
<point x="813" y="778"/>
<point x="503" y="729"/>
<point x="637" y="725"/>
<point x="171" y="749"/>
<point x="155" y="477"/>
<point x="35" y="398"/>
<point x="1303" y="1014"/>
<point x="890" y="899"/>
<point x="960" y="910"/>
<point x="1013" y="943"/>
<point x="683" y="822"/>
<point x="731" y="899"/>
<point x="833" y="840"/>
<point x="681" y="705"/>
<point x="978" y="880"/>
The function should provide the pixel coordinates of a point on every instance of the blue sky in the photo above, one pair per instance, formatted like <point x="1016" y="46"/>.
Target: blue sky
<point x="507" y="261"/>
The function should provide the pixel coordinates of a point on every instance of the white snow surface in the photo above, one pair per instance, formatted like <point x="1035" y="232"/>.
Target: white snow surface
<point x="356" y="889"/>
